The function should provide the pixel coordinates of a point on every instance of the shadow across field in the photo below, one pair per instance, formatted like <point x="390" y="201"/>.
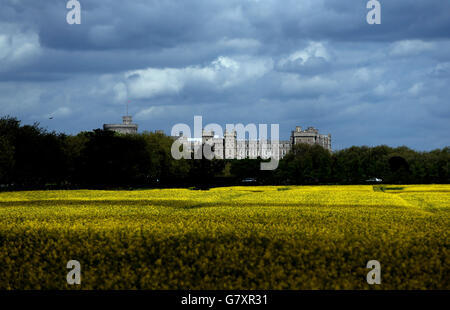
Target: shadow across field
<point x="175" y="204"/>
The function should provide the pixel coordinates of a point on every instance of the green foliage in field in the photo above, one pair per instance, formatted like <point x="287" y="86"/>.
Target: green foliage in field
<point x="227" y="238"/>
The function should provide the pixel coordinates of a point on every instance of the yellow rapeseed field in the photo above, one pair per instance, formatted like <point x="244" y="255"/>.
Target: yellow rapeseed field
<point x="296" y="237"/>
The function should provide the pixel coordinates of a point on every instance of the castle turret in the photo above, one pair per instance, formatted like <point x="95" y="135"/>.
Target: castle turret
<point x="127" y="127"/>
<point x="230" y="144"/>
<point x="127" y="120"/>
<point x="310" y="136"/>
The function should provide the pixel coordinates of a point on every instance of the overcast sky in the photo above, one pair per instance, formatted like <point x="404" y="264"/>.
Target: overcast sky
<point x="290" y="62"/>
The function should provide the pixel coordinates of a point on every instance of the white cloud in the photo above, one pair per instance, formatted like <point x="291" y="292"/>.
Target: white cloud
<point x="314" y="49"/>
<point x="151" y="82"/>
<point x="366" y="74"/>
<point x="120" y="91"/>
<point x="442" y="69"/>
<point x="107" y="85"/>
<point x="416" y="89"/>
<point x="240" y="43"/>
<point x="385" y="88"/>
<point x="293" y="84"/>
<point x="16" y="46"/>
<point x="222" y="73"/>
<point x="410" y="47"/>
<point x="362" y="74"/>
<point x="149" y="113"/>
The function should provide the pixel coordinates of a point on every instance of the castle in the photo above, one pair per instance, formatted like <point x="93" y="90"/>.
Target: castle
<point x="229" y="147"/>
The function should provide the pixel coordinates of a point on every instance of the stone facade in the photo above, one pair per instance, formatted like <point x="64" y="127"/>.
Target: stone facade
<point x="127" y="127"/>
<point x="310" y="136"/>
<point x="229" y="147"/>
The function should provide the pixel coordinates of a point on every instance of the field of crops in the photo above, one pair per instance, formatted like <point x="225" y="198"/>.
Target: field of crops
<point x="227" y="238"/>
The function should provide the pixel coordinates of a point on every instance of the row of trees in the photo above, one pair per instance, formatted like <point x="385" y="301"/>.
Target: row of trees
<point x="356" y="165"/>
<point x="31" y="157"/>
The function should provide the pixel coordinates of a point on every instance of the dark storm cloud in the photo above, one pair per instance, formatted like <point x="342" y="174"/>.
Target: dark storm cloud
<point x="309" y="62"/>
<point x="111" y="24"/>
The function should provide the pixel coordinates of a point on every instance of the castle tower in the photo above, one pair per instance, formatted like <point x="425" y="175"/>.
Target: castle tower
<point x="310" y="136"/>
<point x="230" y="144"/>
<point x="127" y="126"/>
<point x="127" y="120"/>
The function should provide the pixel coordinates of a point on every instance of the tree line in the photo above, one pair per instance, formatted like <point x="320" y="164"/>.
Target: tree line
<point x="33" y="158"/>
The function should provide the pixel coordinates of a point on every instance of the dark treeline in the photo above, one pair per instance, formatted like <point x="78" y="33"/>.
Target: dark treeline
<point x="33" y="158"/>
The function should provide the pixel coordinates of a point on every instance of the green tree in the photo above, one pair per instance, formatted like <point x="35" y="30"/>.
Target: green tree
<point x="6" y="160"/>
<point x="306" y="164"/>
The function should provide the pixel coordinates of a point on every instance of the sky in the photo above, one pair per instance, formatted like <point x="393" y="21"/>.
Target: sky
<point x="288" y="62"/>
